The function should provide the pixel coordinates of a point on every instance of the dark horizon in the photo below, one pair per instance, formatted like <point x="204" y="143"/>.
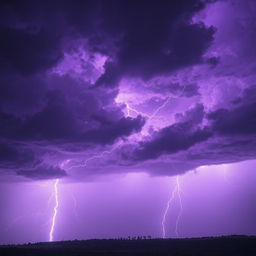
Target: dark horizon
<point x="232" y="245"/>
<point x="128" y="238"/>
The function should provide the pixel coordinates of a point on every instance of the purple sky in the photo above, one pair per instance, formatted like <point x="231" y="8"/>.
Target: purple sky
<point x="115" y="100"/>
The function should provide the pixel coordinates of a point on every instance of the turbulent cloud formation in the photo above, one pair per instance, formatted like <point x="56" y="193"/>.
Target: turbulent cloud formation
<point x="43" y="172"/>
<point x="179" y="136"/>
<point x="156" y="86"/>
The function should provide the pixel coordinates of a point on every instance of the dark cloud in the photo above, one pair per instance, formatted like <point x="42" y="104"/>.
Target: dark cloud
<point x="71" y="118"/>
<point x="213" y="61"/>
<point x="143" y="46"/>
<point x="222" y="149"/>
<point x="50" y="102"/>
<point x="170" y="140"/>
<point x="149" y="48"/>
<point x="16" y="156"/>
<point x="183" y="90"/>
<point x="177" y="137"/>
<point x="57" y="112"/>
<point x="228" y="135"/>
<point x="240" y="120"/>
<point x="43" y="172"/>
<point x="28" y="52"/>
<point x="108" y="132"/>
<point x="193" y="116"/>
<point x="22" y="96"/>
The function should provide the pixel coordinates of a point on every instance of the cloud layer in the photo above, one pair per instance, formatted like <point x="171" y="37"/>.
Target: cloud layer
<point x="100" y="87"/>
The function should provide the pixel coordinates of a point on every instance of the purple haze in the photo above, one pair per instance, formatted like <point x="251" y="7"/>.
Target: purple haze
<point x="107" y="102"/>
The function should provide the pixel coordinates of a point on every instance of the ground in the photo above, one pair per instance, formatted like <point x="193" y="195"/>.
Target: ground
<point x="221" y="246"/>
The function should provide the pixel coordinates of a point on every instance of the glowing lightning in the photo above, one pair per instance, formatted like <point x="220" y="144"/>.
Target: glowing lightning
<point x="159" y="108"/>
<point x="153" y="115"/>
<point x="101" y="155"/>
<point x="166" y="211"/>
<point x="176" y="191"/>
<point x="165" y="103"/>
<point x="156" y="111"/>
<point x="55" y="211"/>
<point x="97" y="156"/>
<point x="130" y="109"/>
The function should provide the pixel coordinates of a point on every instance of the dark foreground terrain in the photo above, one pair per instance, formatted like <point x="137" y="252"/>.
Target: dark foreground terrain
<point x="228" y="245"/>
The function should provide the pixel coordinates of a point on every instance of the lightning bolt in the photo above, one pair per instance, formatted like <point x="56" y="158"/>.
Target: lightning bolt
<point x="130" y="109"/>
<point x="166" y="212"/>
<point x="96" y="156"/>
<point x="156" y="111"/>
<point x="176" y="193"/>
<point x="107" y="152"/>
<point x="56" y="191"/>
<point x="101" y="155"/>
<point x="55" y="210"/>
<point x="159" y="108"/>
<point x="153" y="115"/>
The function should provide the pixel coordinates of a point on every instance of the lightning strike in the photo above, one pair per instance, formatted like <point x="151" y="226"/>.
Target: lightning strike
<point x="62" y="165"/>
<point x="55" y="210"/>
<point x="153" y="115"/>
<point x="176" y="193"/>
<point x="166" y="212"/>
<point x="130" y="109"/>
<point x="101" y="155"/>
<point x="160" y="107"/>
<point x="165" y="103"/>
<point x="97" y="156"/>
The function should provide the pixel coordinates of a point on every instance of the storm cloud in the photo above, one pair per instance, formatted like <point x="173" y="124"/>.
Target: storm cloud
<point x="160" y="82"/>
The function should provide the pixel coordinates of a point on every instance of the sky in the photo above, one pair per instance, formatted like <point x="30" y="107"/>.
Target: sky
<point x="127" y="118"/>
